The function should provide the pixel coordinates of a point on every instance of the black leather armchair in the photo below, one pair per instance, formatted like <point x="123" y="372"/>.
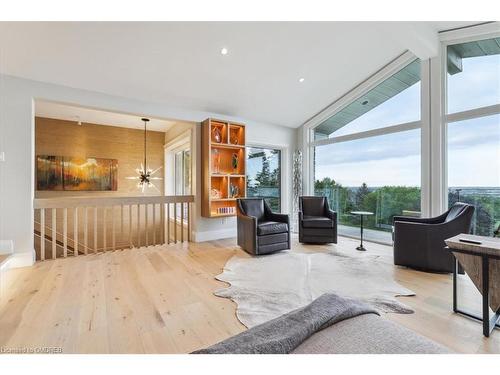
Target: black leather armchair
<point x="317" y="223"/>
<point x="260" y="231"/>
<point x="419" y="243"/>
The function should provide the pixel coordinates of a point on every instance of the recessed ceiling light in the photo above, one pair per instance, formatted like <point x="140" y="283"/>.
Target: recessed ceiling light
<point x="301" y="80"/>
<point x="224" y="51"/>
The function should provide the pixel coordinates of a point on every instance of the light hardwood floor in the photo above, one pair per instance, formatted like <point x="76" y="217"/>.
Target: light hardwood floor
<point x="159" y="300"/>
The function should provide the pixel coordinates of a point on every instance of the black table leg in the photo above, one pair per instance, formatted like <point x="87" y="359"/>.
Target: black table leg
<point x="486" y="292"/>
<point x="360" y="247"/>
<point x="489" y="324"/>
<point x="455" y="266"/>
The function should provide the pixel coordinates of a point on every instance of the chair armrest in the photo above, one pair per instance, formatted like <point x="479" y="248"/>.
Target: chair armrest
<point x="421" y="220"/>
<point x="431" y="231"/>
<point x="280" y="218"/>
<point x="412" y="227"/>
<point x="332" y="215"/>
<point x="300" y="215"/>
<point x="247" y="232"/>
<point x="248" y="221"/>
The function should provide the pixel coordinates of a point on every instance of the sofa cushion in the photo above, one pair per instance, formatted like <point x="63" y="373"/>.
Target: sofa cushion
<point x="313" y="232"/>
<point x="271" y="227"/>
<point x="317" y="222"/>
<point x="272" y="248"/>
<point x="272" y="238"/>
<point x="382" y="337"/>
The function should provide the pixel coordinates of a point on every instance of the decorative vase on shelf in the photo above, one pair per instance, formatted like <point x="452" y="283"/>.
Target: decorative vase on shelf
<point x="216" y="161"/>
<point x="234" y="191"/>
<point x="215" y="194"/>
<point x="216" y="135"/>
<point x="235" y="163"/>
<point x="234" y="139"/>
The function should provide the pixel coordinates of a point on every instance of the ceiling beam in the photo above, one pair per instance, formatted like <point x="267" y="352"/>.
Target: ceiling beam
<point x="418" y="37"/>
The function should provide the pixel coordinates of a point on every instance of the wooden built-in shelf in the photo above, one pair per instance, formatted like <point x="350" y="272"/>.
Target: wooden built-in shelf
<point x="222" y="199"/>
<point x="220" y="145"/>
<point x="224" y="167"/>
<point x="227" y="175"/>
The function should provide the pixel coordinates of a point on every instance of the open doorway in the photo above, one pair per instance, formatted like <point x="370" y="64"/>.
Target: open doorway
<point x="179" y="174"/>
<point x="89" y="196"/>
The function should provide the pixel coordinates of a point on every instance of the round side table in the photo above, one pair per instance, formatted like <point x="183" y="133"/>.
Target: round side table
<point x="361" y="214"/>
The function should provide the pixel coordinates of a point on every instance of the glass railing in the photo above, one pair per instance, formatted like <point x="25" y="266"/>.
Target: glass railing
<point x="486" y="200"/>
<point x="385" y="203"/>
<point x="389" y="201"/>
<point x="271" y="194"/>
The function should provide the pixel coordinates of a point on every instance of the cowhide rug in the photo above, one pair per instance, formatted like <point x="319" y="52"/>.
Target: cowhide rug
<point x="266" y="287"/>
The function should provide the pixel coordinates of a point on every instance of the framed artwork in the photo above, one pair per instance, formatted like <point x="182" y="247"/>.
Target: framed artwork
<point x="76" y="174"/>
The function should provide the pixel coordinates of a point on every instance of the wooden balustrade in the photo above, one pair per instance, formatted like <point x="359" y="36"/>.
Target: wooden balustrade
<point x="73" y="226"/>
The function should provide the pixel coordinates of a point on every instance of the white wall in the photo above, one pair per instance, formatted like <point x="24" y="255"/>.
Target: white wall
<point x="17" y="141"/>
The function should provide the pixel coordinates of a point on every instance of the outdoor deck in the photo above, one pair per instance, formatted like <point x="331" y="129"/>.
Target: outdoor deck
<point x="368" y="234"/>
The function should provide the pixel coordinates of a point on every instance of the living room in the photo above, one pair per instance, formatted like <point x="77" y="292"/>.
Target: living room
<point x="243" y="188"/>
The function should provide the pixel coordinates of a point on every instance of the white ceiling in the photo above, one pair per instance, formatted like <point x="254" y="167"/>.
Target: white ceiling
<point x="179" y="63"/>
<point x="93" y="116"/>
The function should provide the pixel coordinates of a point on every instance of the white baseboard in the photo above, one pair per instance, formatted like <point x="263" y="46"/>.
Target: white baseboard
<point x="26" y="259"/>
<point x="6" y="246"/>
<point x="213" y="235"/>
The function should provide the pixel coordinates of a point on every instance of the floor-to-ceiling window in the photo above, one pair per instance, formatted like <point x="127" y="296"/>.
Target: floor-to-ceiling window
<point x="473" y="130"/>
<point x="366" y="156"/>
<point x="264" y="175"/>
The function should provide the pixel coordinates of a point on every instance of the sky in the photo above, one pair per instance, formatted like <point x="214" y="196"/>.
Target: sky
<point x="394" y="159"/>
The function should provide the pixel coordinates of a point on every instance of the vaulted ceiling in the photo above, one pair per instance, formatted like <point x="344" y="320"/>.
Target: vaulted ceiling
<point x="180" y="64"/>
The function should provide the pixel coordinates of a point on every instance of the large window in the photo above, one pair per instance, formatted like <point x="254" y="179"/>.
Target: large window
<point x="264" y="175"/>
<point x="473" y="75"/>
<point x="394" y="101"/>
<point x="473" y="82"/>
<point x="380" y="173"/>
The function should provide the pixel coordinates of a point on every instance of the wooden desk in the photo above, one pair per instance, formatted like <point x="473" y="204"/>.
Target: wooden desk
<point x="482" y="263"/>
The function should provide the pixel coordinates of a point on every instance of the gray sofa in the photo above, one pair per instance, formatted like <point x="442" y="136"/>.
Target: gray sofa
<point x="368" y="334"/>
<point x="330" y="324"/>
<point x="362" y="334"/>
<point x="419" y="242"/>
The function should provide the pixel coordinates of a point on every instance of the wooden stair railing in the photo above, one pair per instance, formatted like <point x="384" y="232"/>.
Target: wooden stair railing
<point x="60" y="244"/>
<point x="71" y="243"/>
<point x="103" y="224"/>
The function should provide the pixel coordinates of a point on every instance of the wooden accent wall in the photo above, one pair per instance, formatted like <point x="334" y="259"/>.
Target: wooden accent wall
<point x="67" y="138"/>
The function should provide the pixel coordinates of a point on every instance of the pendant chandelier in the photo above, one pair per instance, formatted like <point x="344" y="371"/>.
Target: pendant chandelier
<point x="145" y="175"/>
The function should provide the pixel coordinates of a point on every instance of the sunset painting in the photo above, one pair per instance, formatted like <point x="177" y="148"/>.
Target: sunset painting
<point x="76" y="174"/>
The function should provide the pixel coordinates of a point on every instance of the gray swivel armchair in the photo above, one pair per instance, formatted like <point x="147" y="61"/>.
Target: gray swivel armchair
<point x="317" y="223"/>
<point x="419" y="242"/>
<point x="260" y="231"/>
